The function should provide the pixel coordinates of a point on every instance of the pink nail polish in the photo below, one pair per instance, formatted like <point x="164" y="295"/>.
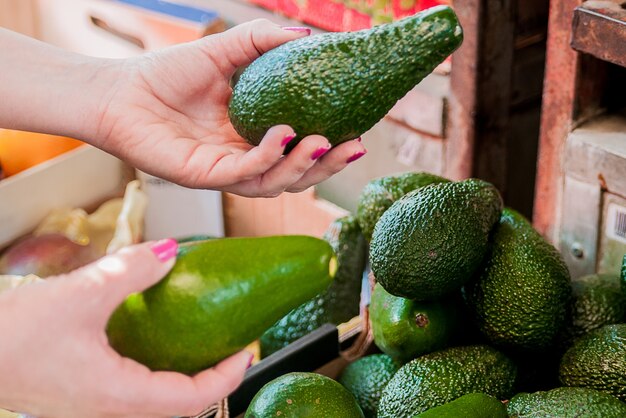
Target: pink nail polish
<point x="298" y="29"/>
<point x="165" y="249"/>
<point x="356" y="156"/>
<point x="319" y="152"/>
<point x="250" y="361"/>
<point x="287" y="139"/>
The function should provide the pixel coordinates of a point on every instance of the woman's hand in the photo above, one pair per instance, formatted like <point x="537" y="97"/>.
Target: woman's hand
<point x="55" y="360"/>
<point x="167" y="114"/>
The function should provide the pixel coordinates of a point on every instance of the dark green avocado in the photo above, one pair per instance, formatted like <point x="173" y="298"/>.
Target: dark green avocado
<point x="340" y="84"/>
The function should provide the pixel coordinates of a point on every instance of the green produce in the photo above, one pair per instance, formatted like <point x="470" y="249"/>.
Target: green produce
<point x="566" y="403"/>
<point x="339" y="303"/>
<point x="432" y="240"/>
<point x="405" y="329"/>
<point x="597" y="300"/>
<point x="220" y="296"/>
<point x="441" y="377"/>
<point x="472" y="405"/>
<point x="598" y="361"/>
<point x="340" y="84"/>
<point x="521" y="297"/>
<point x="623" y="277"/>
<point x="366" y="378"/>
<point x="303" y="395"/>
<point x="379" y="194"/>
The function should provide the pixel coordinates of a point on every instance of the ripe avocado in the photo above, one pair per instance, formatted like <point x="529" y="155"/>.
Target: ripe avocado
<point x="472" y="405"/>
<point x="366" y="378"/>
<point x="438" y="378"/>
<point x="303" y="395"/>
<point x="521" y="295"/>
<point x="379" y="194"/>
<point x="598" y="361"/>
<point x="340" y="84"/>
<point x="220" y="296"/>
<point x="597" y="300"/>
<point x="405" y="329"/>
<point x="566" y="403"/>
<point x="337" y="304"/>
<point x="432" y="240"/>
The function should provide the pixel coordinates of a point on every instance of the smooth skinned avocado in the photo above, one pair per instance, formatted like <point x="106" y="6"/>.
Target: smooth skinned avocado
<point x="220" y="296"/>
<point x="379" y="194"/>
<point x="472" y="405"/>
<point x="303" y="395"/>
<point x="521" y="296"/>
<point x="566" y="403"/>
<point x="340" y="84"/>
<point x="432" y="240"/>
<point x="441" y="377"/>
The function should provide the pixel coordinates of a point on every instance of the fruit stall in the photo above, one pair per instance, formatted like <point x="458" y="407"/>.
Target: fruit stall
<point x="473" y="264"/>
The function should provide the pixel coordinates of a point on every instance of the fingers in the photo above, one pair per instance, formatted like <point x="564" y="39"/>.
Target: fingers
<point x="132" y="269"/>
<point x="244" y="43"/>
<point x="332" y="163"/>
<point x="175" y="394"/>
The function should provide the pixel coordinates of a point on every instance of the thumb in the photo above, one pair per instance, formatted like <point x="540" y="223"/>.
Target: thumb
<point x="132" y="269"/>
<point x="244" y="43"/>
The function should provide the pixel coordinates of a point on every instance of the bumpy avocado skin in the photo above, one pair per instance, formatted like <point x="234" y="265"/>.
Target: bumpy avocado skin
<point x="340" y="84"/>
<point x="339" y="303"/>
<point x="441" y="377"/>
<point x="566" y="402"/>
<point x="431" y="241"/>
<point x="598" y="361"/>
<point x="379" y="194"/>
<point x="520" y="299"/>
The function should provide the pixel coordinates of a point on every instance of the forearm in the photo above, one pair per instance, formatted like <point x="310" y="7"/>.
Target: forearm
<point x="47" y="89"/>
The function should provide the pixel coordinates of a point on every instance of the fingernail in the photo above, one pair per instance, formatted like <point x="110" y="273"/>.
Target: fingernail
<point x="319" y="152"/>
<point x="250" y="361"/>
<point x="165" y="249"/>
<point x="287" y="139"/>
<point x="298" y="29"/>
<point x="359" y="139"/>
<point x="356" y="156"/>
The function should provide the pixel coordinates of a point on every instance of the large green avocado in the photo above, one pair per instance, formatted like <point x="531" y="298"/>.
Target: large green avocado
<point x="303" y="395"/>
<point x="566" y="403"/>
<point x="598" y="361"/>
<point x="220" y="296"/>
<point x="340" y="84"/>
<point x="472" y="405"/>
<point x="521" y="296"/>
<point x="337" y="304"/>
<point x="597" y="300"/>
<point x="432" y="240"/>
<point x="441" y="377"/>
<point x="379" y="194"/>
<point x="405" y="329"/>
<point x="366" y="378"/>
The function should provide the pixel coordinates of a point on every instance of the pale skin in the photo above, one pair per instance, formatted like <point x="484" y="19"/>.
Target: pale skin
<point x="166" y="114"/>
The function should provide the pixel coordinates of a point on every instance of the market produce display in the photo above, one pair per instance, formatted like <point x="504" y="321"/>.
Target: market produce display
<point x="303" y="395"/>
<point x="431" y="241"/>
<point x="380" y="193"/>
<point x="366" y="378"/>
<point x="566" y="402"/>
<point x="220" y="296"/>
<point x="472" y="405"/>
<point x="337" y="304"/>
<point x="340" y="84"/>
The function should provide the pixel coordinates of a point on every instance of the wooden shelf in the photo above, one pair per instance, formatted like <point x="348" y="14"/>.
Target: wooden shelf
<point x="599" y="29"/>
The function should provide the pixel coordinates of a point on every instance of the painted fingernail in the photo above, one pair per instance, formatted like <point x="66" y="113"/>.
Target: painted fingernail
<point x="356" y="156"/>
<point x="359" y="139"/>
<point x="165" y="249"/>
<point x="250" y="360"/>
<point x="298" y="29"/>
<point x="287" y="139"/>
<point x="319" y="152"/>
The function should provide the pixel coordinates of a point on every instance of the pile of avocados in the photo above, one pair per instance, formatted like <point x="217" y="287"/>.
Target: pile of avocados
<point x="473" y="312"/>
